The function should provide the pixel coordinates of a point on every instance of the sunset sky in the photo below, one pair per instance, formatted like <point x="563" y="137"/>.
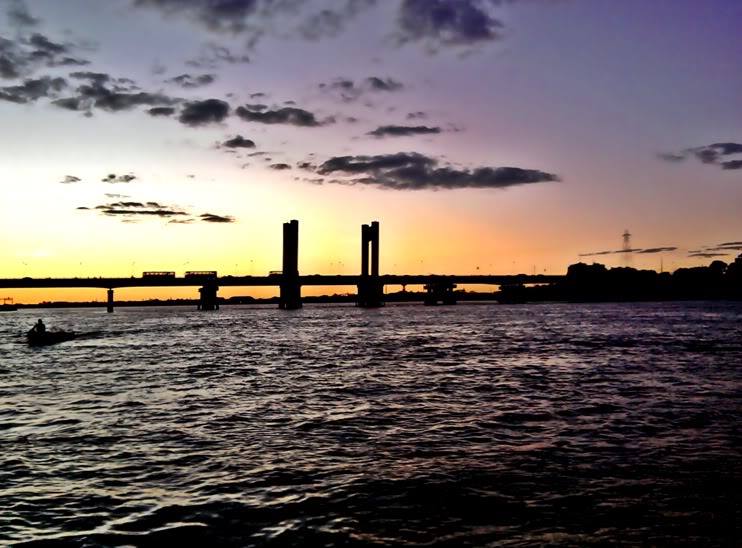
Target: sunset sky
<point x="486" y="136"/>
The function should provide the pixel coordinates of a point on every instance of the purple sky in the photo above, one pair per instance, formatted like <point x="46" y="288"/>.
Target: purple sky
<point x="503" y="135"/>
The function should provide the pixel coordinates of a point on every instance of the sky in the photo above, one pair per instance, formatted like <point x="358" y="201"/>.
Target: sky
<point x="486" y="136"/>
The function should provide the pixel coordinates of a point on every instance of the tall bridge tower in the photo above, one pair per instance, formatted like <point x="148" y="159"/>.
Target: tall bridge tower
<point x="370" y="289"/>
<point x="290" y="292"/>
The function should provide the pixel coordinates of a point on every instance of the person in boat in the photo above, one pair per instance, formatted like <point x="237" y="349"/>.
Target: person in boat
<point x="39" y="327"/>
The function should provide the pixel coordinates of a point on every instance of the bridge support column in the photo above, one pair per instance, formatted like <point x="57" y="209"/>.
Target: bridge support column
<point x="370" y="288"/>
<point x="208" y="299"/>
<point x="109" y="305"/>
<point x="290" y="296"/>
<point x="442" y="292"/>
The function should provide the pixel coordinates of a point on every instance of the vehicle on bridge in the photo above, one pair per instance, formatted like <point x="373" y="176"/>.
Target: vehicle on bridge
<point x="157" y="275"/>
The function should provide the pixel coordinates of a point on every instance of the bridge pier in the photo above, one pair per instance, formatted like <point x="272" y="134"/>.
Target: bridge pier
<point x="370" y="288"/>
<point x="290" y="288"/>
<point x="208" y="296"/>
<point x="440" y="291"/>
<point x="109" y="305"/>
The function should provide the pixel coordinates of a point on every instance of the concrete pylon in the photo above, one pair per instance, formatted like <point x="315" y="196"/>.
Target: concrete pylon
<point x="290" y="297"/>
<point x="208" y="296"/>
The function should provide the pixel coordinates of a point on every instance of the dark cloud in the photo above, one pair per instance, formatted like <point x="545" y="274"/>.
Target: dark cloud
<point x="238" y="141"/>
<point x="99" y="78"/>
<point x="253" y="19"/>
<point x="102" y="79"/>
<point x="112" y="101"/>
<point x="730" y="243"/>
<point x="199" y="113"/>
<point x="330" y="22"/>
<point x="216" y="15"/>
<point x="280" y="167"/>
<point x="350" y="90"/>
<point x="448" y="23"/>
<point x="286" y="115"/>
<point x="725" y="149"/>
<point x="727" y="247"/>
<point x="102" y="91"/>
<point x="214" y="56"/>
<point x="403" y="131"/>
<point x="211" y="218"/>
<point x="68" y="179"/>
<point x="20" y="58"/>
<point x="383" y="84"/>
<point x="715" y="154"/>
<point x="19" y="16"/>
<point x="113" y="178"/>
<point x="189" y="81"/>
<point x="129" y="211"/>
<point x="413" y="171"/>
<point x="33" y="89"/>
<point x="419" y="115"/>
<point x="45" y="47"/>
<point x="732" y="164"/>
<point x="161" y="111"/>
<point x="258" y="95"/>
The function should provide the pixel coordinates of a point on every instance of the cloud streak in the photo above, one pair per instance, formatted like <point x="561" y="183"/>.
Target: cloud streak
<point x="287" y="115"/>
<point x="649" y="250"/>
<point x="129" y="211"/>
<point x="403" y="131"/>
<point x="348" y="90"/>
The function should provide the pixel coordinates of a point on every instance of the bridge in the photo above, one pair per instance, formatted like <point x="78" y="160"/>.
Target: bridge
<point x="370" y="284"/>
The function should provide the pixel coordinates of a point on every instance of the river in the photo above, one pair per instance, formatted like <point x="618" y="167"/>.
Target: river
<point x="469" y="425"/>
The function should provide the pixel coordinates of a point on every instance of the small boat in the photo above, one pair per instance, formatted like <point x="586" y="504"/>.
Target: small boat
<point x="49" y="337"/>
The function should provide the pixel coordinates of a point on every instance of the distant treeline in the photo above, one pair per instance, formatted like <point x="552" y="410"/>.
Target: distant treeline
<point x="595" y="282"/>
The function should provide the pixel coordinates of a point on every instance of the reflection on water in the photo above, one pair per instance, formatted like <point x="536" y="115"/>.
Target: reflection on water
<point x="459" y="426"/>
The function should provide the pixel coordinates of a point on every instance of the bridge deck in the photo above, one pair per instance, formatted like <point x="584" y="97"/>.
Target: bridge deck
<point x="274" y="280"/>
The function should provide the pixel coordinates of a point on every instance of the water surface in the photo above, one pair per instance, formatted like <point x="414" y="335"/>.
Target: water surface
<point x="446" y="426"/>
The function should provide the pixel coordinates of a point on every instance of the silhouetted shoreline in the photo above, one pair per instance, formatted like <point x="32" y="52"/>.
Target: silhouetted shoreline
<point x="583" y="283"/>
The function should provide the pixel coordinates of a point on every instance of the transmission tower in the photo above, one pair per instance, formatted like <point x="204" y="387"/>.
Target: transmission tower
<point x="626" y="248"/>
